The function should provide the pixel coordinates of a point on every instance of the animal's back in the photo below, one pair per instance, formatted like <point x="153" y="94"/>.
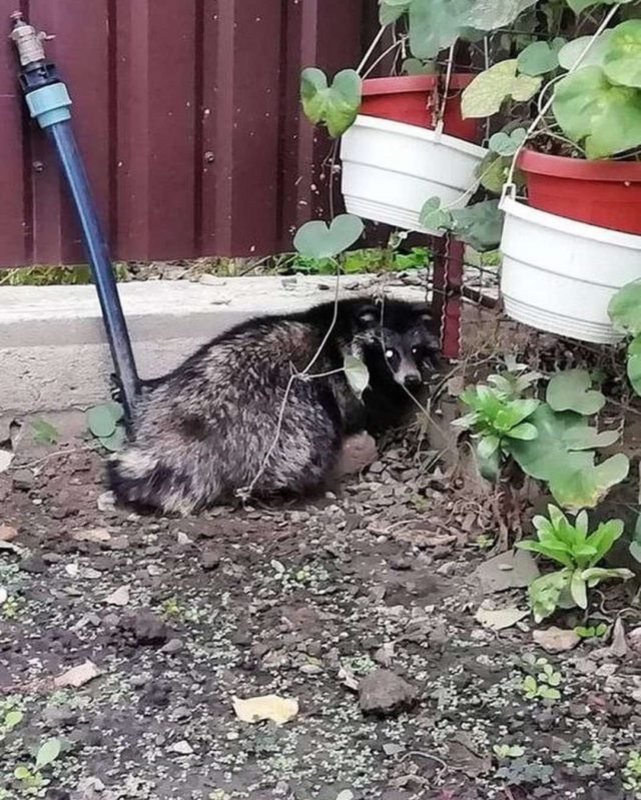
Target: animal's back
<point x="203" y="432"/>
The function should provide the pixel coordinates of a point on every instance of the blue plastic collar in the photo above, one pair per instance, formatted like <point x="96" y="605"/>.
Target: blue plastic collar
<point x="50" y="104"/>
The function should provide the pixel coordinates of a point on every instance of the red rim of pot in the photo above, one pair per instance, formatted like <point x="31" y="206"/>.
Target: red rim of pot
<point x="579" y="168"/>
<point x="399" y="84"/>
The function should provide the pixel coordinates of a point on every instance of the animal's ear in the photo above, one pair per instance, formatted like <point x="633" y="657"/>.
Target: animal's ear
<point x="368" y="315"/>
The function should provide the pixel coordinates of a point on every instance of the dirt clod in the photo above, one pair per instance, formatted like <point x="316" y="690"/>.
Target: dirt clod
<point x="384" y="692"/>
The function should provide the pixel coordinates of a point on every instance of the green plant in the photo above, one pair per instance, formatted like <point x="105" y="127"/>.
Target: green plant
<point x="44" y="432"/>
<point x="104" y="422"/>
<point x="543" y="686"/>
<point x="599" y="631"/>
<point x="30" y="776"/>
<point x="505" y="751"/>
<point x="578" y="552"/>
<point x="557" y="446"/>
<point x="632" y="772"/>
<point x="625" y="313"/>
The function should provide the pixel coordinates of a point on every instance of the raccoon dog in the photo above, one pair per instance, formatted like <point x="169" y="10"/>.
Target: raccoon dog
<point x="202" y="433"/>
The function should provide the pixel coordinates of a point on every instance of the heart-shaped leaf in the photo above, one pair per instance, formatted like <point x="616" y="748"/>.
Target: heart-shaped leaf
<point x="625" y="309"/>
<point x="592" y="111"/>
<point x="357" y="374"/>
<point x="570" y="53"/>
<point x="315" y="240"/>
<point x="486" y="15"/>
<point x="414" y="66"/>
<point x="101" y="420"/>
<point x="580" y="483"/>
<point x="622" y="59"/>
<point x="506" y="144"/>
<point x="437" y="24"/>
<point x="487" y="92"/>
<point x="635" y="551"/>
<point x="570" y="391"/>
<point x="114" y="442"/>
<point x="479" y="225"/>
<point x="335" y="106"/>
<point x="391" y="10"/>
<point x="432" y="217"/>
<point x="44" y="432"/>
<point x="539" y="58"/>
<point x="634" y="364"/>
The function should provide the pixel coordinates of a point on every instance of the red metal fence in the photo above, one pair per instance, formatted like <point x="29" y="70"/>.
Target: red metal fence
<point x="187" y="115"/>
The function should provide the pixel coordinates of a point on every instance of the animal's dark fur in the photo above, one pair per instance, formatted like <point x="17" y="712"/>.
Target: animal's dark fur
<point x="202" y="432"/>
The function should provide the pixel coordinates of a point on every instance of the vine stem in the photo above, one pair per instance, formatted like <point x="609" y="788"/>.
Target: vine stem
<point x="371" y="49"/>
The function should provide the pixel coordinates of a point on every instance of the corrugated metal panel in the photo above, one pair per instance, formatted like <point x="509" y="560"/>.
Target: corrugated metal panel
<point x="187" y="114"/>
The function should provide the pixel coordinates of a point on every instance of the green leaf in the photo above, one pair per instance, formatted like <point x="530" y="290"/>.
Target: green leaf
<point x="633" y="365"/>
<point x="579" y="483"/>
<point x="487" y="446"/>
<point x="545" y="592"/>
<point x="539" y="58"/>
<point x="555" y="552"/>
<point x="486" y="93"/>
<point x="414" y="66"/>
<point x="624" y="309"/>
<point x="525" y="431"/>
<point x="578" y="589"/>
<point x="357" y="374"/>
<point x="48" y="753"/>
<point x="315" y="240"/>
<point x="480" y="225"/>
<point x="391" y="10"/>
<point x="622" y="60"/>
<point x="549" y="693"/>
<point x="570" y="391"/>
<point x="530" y="686"/>
<point x="114" y="442"/>
<point x="101" y="421"/>
<point x="573" y="50"/>
<point x="591" y="111"/>
<point x="335" y="106"/>
<point x="433" y="217"/>
<point x="22" y="773"/>
<point x="506" y="144"/>
<point x="12" y="719"/>
<point x="490" y="467"/>
<point x="44" y="432"/>
<point x="436" y="24"/>
<point x="635" y="551"/>
<point x="594" y="575"/>
<point x="487" y="15"/>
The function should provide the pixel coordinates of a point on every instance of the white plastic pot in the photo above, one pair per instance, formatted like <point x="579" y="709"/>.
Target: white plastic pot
<point x="559" y="275"/>
<point x="391" y="168"/>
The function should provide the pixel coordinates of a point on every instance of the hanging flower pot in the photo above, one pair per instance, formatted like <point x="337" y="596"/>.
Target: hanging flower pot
<point x="414" y="99"/>
<point x="558" y="275"/>
<point x="606" y="193"/>
<point x="391" y="168"/>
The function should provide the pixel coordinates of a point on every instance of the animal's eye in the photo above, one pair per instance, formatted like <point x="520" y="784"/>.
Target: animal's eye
<point x="414" y="350"/>
<point x="389" y="354"/>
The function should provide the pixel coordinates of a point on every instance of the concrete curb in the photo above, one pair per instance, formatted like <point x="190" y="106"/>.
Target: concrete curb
<point x="53" y="353"/>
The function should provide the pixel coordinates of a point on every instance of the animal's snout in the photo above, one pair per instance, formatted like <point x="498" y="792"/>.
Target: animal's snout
<point x="412" y="380"/>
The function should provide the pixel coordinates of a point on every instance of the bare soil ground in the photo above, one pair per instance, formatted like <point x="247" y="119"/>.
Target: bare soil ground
<point x="360" y="605"/>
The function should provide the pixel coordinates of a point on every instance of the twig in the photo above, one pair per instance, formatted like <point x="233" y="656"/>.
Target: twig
<point x="58" y="453"/>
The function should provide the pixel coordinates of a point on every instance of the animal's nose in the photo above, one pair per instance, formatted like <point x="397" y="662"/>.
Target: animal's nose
<point x="413" y="380"/>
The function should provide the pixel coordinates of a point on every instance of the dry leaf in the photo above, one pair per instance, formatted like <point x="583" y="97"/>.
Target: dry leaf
<point x="556" y="640"/>
<point x="97" y="535"/>
<point x="269" y="707"/>
<point x="619" y="644"/>
<point x="347" y="678"/>
<point x="120" y="597"/>
<point x="514" y="569"/>
<point x="78" y="676"/>
<point x="497" y="619"/>
<point x="7" y="533"/>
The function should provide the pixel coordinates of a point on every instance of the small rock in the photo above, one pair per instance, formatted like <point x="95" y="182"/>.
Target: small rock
<point x="210" y="560"/>
<point x="77" y="676"/>
<point x="7" y="533"/>
<point x="385" y="692"/>
<point x="579" y="710"/>
<point x="172" y="647"/>
<point x="60" y="716"/>
<point x="146" y="627"/>
<point x="182" y="539"/>
<point x="119" y="597"/>
<point x="400" y="563"/>
<point x="556" y="640"/>
<point x="23" y="479"/>
<point x="106" y="502"/>
<point x="182" y="748"/>
<point x="35" y="565"/>
<point x="385" y="654"/>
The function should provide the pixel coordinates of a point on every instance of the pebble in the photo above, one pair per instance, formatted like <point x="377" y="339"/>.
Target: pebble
<point x="172" y="647"/>
<point x="210" y="560"/>
<point x="34" y="565"/>
<point x="23" y="479"/>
